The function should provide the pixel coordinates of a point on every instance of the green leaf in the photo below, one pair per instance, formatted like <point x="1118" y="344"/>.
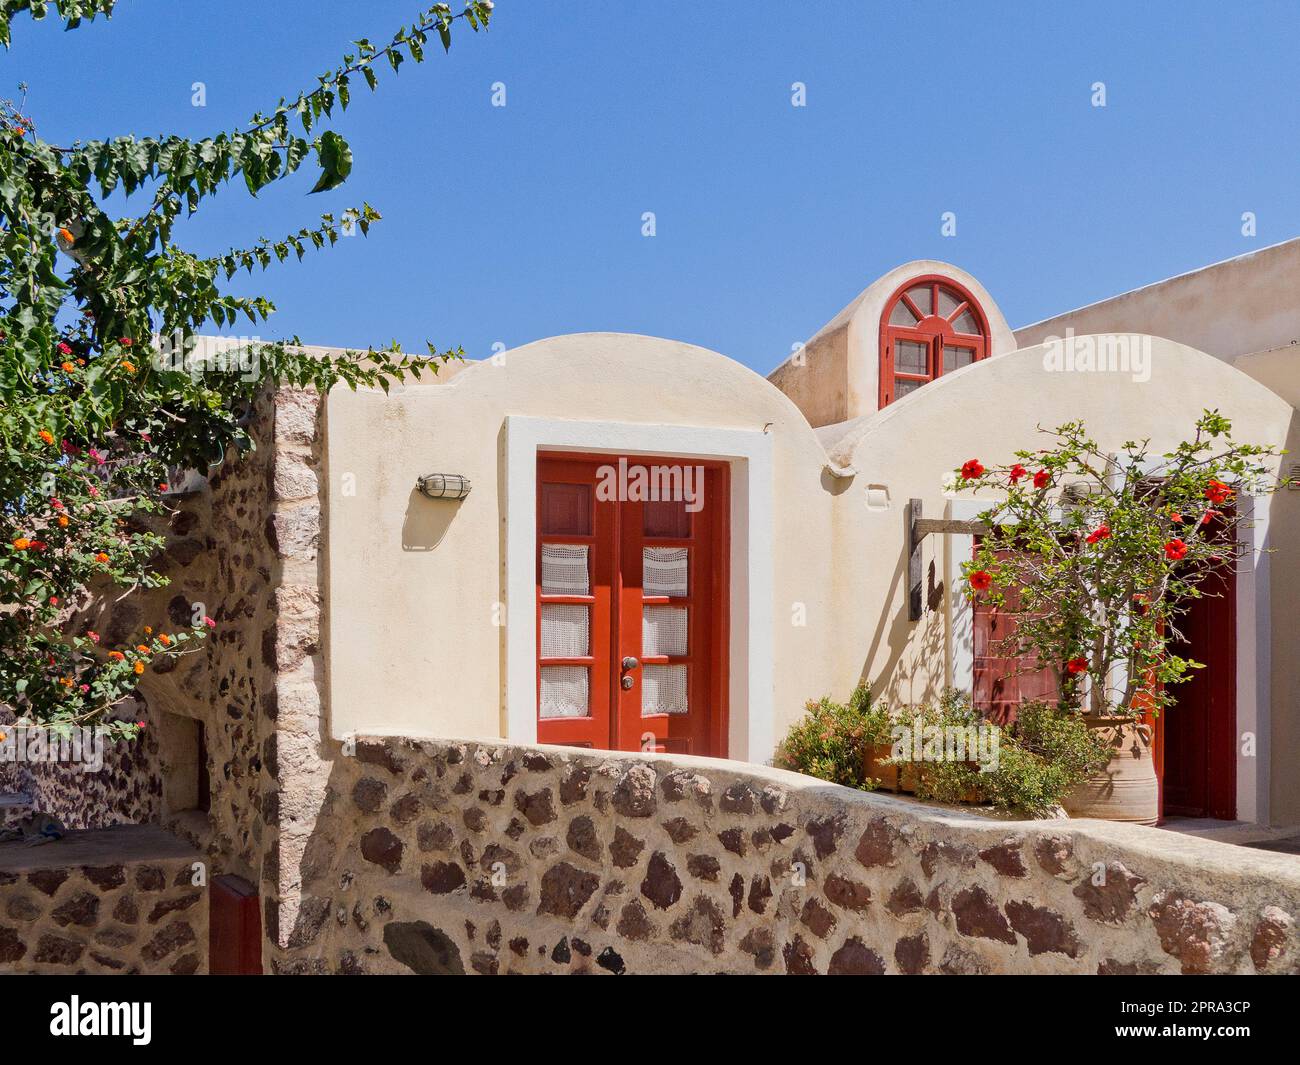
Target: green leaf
<point x="335" y="160"/>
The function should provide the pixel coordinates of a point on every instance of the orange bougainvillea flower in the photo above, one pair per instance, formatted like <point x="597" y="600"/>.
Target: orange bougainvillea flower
<point x="46" y="435"/>
<point x="972" y="469"/>
<point x="66" y="681"/>
<point x="1077" y="665"/>
<point x="68" y="367"/>
<point x="1175" y="549"/>
<point x="148" y="630"/>
<point x="1042" y="479"/>
<point x="66" y="234"/>
<point x="63" y="522"/>
<point x="129" y="367"/>
<point x="164" y="639"/>
<point x="101" y="558"/>
<point x="22" y="543"/>
<point x="980" y="580"/>
<point x="138" y="668"/>
<point x="116" y="656"/>
<point x="142" y="648"/>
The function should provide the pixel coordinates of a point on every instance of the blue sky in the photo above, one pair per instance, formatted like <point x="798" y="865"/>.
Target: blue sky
<point x="511" y="224"/>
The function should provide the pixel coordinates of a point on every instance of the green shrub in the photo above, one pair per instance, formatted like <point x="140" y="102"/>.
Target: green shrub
<point x="1040" y="759"/>
<point x="831" y="741"/>
<point x="1049" y="752"/>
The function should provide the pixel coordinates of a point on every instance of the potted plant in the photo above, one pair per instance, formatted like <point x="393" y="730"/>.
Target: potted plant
<point x="1104" y="553"/>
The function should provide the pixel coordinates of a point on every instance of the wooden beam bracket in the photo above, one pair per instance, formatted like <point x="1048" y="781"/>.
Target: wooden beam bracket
<point x="918" y="528"/>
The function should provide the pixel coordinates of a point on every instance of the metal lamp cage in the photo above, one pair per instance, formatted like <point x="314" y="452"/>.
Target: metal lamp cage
<point x="444" y="485"/>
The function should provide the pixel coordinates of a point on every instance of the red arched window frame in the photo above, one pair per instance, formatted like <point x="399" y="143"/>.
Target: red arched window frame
<point x="931" y="325"/>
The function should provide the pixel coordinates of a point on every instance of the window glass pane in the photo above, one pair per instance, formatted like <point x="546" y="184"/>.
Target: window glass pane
<point x="564" y="569"/>
<point x="902" y="315"/>
<point x="949" y="301"/>
<point x="564" y="691"/>
<point x="663" y="690"/>
<point x="565" y="509"/>
<point x="956" y="358"/>
<point x="967" y="323"/>
<point x="910" y="356"/>
<point x="566" y="630"/>
<point x="920" y="295"/>
<point x="664" y="571"/>
<point x="663" y="630"/>
<point x="669" y="517"/>
<point x="903" y="387"/>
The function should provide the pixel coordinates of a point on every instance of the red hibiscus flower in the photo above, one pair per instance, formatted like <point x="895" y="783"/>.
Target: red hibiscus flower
<point x="1016" y="472"/>
<point x="1042" y="479"/>
<point x="1217" y="492"/>
<point x="1077" y="665"/>
<point x="981" y="580"/>
<point x="1175" y="549"/>
<point x="1101" y="532"/>
<point x="972" y="469"/>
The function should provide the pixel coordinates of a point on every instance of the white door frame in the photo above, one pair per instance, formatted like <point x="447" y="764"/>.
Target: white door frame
<point x="751" y="723"/>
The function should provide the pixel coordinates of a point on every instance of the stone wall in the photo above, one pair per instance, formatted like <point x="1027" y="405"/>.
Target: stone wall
<point x="441" y="856"/>
<point x="117" y="900"/>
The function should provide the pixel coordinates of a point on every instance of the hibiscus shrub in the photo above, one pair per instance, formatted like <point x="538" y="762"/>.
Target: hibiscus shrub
<point x="1105" y="552"/>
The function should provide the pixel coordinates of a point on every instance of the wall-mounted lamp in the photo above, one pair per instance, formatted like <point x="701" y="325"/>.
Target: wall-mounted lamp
<point x="443" y="485"/>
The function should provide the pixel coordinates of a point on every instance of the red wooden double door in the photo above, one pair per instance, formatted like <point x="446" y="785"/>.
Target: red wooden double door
<point x="632" y="603"/>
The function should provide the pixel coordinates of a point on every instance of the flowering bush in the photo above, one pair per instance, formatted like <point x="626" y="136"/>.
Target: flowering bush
<point x="831" y="741"/>
<point x="94" y="407"/>
<point x="1107" y="551"/>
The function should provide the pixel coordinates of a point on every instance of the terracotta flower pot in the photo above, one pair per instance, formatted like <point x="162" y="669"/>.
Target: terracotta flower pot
<point x="876" y="764"/>
<point x="1125" y="789"/>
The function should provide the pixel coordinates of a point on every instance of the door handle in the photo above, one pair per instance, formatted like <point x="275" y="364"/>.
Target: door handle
<point x="630" y="663"/>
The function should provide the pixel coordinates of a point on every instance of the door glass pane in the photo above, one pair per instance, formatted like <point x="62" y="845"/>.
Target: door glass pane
<point x="967" y="323"/>
<point x="564" y="569"/>
<point x="663" y="630"/>
<point x="565" y="509"/>
<point x="903" y="386"/>
<point x="949" y="301"/>
<point x="669" y="517"/>
<point x="920" y="295"/>
<point x="902" y="314"/>
<point x="664" y="571"/>
<point x="564" y="691"/>
<point x="910" y="356"/>
<point x="566" y="630"/>
<point x="663" y="690"/>
<point x="956" y="358"/>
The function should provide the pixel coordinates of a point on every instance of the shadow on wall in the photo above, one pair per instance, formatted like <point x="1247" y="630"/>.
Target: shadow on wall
<point x="912" y="647"/>
<point x="427" y="521"/>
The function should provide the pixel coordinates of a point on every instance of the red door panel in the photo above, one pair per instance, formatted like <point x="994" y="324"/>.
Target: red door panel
<point x="1197" y="736"/>
<point x="635" y="657"/>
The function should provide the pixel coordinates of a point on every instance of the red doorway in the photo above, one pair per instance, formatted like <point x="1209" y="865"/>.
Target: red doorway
<point x="632" y="603"/>
<point x="1196" y="738"/>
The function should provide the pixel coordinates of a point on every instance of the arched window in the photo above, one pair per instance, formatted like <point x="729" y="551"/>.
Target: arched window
<point x="931" y="326"/>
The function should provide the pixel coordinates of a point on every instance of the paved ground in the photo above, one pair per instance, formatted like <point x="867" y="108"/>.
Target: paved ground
<point x="1283" y="839"/>
<point x="1291" y="845"/>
